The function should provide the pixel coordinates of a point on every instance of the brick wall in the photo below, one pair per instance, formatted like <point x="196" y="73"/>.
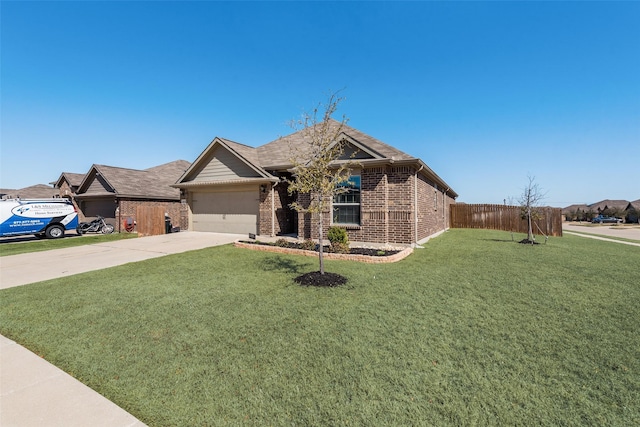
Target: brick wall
<point x="284" y="221"/>
<point x="175" y="209"/>
<point x="388" y="212"/>
<point x="66" y="192"/>
<point x="400" y="202"/>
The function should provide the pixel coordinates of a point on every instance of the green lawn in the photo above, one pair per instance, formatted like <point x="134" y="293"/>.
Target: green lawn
<point x="12" y="247"/>
<point x="474" y="329"/>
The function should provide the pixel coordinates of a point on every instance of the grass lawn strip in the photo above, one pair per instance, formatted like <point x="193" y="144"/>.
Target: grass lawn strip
<point x="10" y="248"/>
<point x="472" y="329"/>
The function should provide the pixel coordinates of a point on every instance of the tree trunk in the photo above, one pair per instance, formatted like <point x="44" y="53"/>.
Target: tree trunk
<point x="320" y="241"/>
<point x="530" y="236"/>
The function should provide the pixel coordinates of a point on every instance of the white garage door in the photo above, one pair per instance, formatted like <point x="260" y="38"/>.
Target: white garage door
<point x="226" y="212"/>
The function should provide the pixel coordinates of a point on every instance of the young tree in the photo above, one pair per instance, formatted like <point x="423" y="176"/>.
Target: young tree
<point x="317" y="171"/>
<point x="529" y="203"/>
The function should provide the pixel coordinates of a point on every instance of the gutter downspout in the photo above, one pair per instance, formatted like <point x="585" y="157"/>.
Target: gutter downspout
<point x="444" y="212"/>
<point x="415" y="209"/>
<point x="273" y="209"/>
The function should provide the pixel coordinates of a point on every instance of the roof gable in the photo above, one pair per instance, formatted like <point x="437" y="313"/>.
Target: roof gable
<point x="223" y="161"/>
<point x="609" y="204"/>
<point x="152" y="183"/>
<point x="277" y="154"/>
<point x="72" y="179"/>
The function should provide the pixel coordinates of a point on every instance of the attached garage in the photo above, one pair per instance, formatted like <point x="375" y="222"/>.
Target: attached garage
<point x="105" y="207"/>
<point x="227" y="211"/>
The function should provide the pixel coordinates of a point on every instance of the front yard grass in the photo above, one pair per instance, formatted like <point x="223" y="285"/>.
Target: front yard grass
<point x="10" y="247"/>
<point x="474" y="329"/>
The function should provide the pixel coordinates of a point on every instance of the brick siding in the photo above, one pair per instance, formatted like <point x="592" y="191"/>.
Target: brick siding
<point x="66" y="192"/>
<point x="284" y="215"/>
<point x="388" y="214"/>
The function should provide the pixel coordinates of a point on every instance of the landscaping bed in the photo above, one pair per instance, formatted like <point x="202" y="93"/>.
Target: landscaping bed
<point x="368" y="255"/>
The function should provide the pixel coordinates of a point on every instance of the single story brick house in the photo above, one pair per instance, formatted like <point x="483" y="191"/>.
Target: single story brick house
<point x="393" y="197"/>
<point x="115" y="193"/>
<point x="67" y="185"/>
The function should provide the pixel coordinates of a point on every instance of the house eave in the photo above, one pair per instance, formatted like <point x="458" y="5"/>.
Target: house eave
<point x="245" y="181"/>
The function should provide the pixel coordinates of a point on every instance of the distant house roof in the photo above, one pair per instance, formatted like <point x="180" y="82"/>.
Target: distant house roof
<point x="635" y="204"/>
<point x="152" y="183"/>
<point x="275" y="156"/>
<point x="73" y="179"/>
<point x="609" y="204"/>
<point x="573" y="208"/>
<point x="38" y="191"/>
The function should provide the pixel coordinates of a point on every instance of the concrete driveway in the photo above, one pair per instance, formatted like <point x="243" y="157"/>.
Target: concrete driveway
<point x="34" y="267"/>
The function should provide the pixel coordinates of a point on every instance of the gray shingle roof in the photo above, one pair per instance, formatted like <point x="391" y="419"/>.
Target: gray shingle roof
<point x="74" y="179"/>
<point x="278" y="153"/>
<point x="152" y="183"/>
<point x="572" y="208"/>
<point x="38" y="191"/>
<point x="611" y="204"/>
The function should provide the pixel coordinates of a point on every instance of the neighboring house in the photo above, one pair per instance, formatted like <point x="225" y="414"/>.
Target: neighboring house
<point x="67" y="185"/>
<point x="575" y="212"/>
<point x="618" y="208"/>
<point x="633" y="212"/>
<point x="394" y="197"/>
<point x="610" y="207"/>
<point x="38" y="191"/>
<point x="115" y="193"/>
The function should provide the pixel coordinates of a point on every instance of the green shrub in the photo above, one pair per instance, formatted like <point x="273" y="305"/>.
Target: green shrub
<point x="308" y="245"/>
<point x="339" y="248"/>
<point x="337" y="235"/>
<point x="339" y="240"/>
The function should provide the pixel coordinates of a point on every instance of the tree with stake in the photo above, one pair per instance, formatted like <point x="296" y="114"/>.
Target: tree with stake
<point x="529" y="204"/>
<point x="317" y="168"/>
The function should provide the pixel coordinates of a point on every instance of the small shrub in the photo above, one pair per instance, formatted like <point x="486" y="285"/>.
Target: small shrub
<point x="339" y="240"/>
<point x="338" y="235"/>
<point x="340" y="248"/>
<point x="283" y="243"/>
<point x="308" y="245"/>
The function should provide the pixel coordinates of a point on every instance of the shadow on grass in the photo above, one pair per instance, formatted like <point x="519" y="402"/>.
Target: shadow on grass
<point x="278" y="263"/>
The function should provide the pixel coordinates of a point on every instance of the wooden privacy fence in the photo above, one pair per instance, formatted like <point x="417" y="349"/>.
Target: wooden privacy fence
<point x="150" y="220"/>
<point x="506" y="218"/>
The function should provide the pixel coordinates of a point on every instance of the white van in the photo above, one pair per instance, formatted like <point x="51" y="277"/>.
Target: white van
<point x="43" y="217"/>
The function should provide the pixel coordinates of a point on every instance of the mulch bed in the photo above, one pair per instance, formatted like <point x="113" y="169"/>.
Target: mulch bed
<point x="528" y="242"/>
<point x="329" y="280"/>
<point x="327" y="249"/>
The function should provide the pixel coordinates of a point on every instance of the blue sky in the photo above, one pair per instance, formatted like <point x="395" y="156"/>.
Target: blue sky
<point x="486" y="93"/>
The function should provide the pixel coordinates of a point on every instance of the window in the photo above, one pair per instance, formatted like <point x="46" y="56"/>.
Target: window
<point x="346" y="205"/>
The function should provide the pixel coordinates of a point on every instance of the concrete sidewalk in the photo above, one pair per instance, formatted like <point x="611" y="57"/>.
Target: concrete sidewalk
<point x="602" y="232"/>
<point x="33" y="392"/>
